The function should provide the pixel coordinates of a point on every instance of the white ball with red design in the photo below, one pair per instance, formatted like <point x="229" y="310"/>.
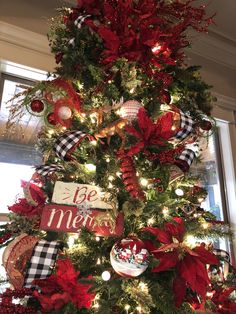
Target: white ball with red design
<point x="129" y="110"/>
<point x="129" y="257"/>
<point x="64" y="113"/>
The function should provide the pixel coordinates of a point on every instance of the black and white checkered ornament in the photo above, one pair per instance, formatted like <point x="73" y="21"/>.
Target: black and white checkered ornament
<point x="80" y="20"/>
<point x="45" y="170"/>
<point x="66" y="142"/>
<point x="186" y="126"/>
<point x="42" y="261"/>
<point x="187" y="156"/>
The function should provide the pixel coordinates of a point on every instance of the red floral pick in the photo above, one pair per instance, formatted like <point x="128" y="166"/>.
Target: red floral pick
<point x="190" y="264"/>
<point x="22" y="207"/>
<point x="62" y="288"/>
<point x="224" y="304"/>
<point x="150" y="32"/>
<point x="148" y="133"/>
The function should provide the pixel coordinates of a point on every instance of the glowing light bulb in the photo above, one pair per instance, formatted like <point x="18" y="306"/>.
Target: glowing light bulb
<point x="111" y="178"/>
<point x="71" y="240"/>
<point x="179" y="192"/>
<point x="106" y="275"/>
<point x="143" y="286"/>
<point x="98" y="261"/>
<point x="200" y="199"/>
<point x="94" y="143"/>
<point x="143" y="182"/>
<point x="205" y="225"/>
<point x="165" y="211"/>
<point x="97" y="238"/>
<point x="90" y="167"/>
<point x="107" y="159"/>
<point x="190" y="240"/>
<point x="51" y="131"/>
<point x="151" y="221"/>
<point x="127" y="307"/>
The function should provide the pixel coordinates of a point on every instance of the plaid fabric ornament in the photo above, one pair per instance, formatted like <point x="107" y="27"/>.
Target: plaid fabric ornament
<point x="80" y="20"/>
<point x="44" y="170"/>
<point x="187" y="156"/>
<point x="66" y="142"/>
<point x="186" y="126"/>
<point x="42" y="261"/>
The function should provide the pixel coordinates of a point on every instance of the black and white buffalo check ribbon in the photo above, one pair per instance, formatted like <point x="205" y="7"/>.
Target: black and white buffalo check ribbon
<point x="66" y="142"/>
<point x="80" y="20"/>
<point x="186" y="126"/>
<point x="42" y="261"/>
<point x="44" y="170"/>
<point x="224" y="255"/>
<point x="187" y="156"/>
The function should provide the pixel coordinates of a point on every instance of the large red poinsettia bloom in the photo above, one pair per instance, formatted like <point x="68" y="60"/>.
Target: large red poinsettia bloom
<point x="149" y="133"/>
<point x="62" y="288"/>
<point x="190" y="264"/>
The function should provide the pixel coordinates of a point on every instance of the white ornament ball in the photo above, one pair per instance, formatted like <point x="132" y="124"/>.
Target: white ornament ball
<point x="129" y="257"/>
<point x="129" y="110"/>
<point x="64" y="113"/>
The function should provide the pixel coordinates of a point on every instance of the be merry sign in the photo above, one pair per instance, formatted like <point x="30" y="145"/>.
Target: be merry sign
<point x="79" y="194"/>
<point x="77" y="206"/>
<point x="71" y="219"/>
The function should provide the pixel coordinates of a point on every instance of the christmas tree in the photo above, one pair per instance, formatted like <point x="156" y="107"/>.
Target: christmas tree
<point x="105" y="221"/>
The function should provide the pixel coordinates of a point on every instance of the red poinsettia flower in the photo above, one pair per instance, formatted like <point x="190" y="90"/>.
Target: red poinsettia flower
<point x="224" y="304"/>
<point x="190" y="264"/>
<point x="149" y="133"/>
<point x="62" y="288"/>
<point x="22" y="207"/>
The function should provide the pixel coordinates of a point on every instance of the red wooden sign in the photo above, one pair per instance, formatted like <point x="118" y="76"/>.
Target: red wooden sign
<point x="72" y="219"/>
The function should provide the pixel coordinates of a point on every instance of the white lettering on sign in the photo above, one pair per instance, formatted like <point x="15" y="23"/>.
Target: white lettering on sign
<point x="79" y="194"/>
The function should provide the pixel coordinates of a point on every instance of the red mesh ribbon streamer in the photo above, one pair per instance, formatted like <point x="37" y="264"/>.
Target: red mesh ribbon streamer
<point x="129" y="177"/>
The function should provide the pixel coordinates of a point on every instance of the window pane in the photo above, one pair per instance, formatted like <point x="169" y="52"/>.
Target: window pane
<point x="10" y="183"/>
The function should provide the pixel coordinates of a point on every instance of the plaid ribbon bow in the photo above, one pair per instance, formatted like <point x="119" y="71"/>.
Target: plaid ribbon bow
<point x="67" y="142"/>
<point x="186" y="126"/>
<point x="42" y="261"/>
<point x="187" y="156"/>
<point x="44" y="170"/>
<point x="80" y="20"/>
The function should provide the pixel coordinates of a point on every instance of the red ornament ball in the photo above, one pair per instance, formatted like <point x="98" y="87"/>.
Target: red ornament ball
<point x="37" y="105"/>
<point x="205" y="125"/>
<point x="51" y="118"/>
<point x="129" y="257"/>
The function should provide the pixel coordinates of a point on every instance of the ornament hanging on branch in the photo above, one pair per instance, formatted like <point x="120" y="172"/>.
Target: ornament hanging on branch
<point x="129" y="176"/>
<point x="129" y="257"/>
<point x="37" y="106"/>
<point x="129" y="110"/>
